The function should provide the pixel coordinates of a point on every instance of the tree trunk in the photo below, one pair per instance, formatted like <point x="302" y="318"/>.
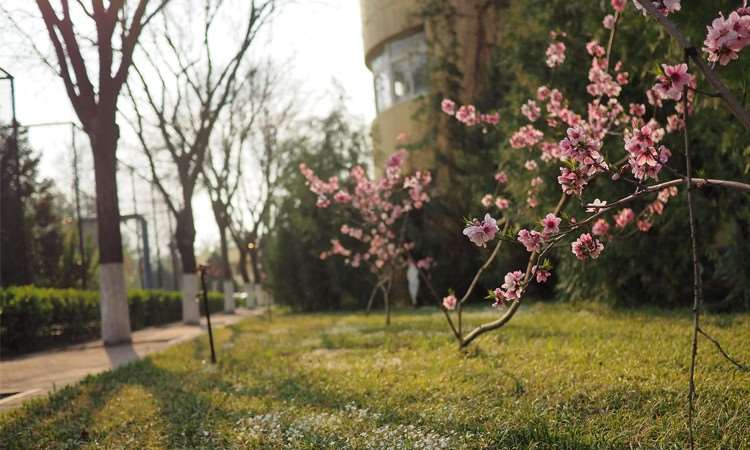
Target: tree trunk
<point x="113" y="297"/>
<point x="250" y="300"/>
<point x="226" y="269"/>
<point x="185" y="237"/>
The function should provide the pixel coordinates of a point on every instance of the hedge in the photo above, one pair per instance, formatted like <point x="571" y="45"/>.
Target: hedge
<point x="33" y="318"/>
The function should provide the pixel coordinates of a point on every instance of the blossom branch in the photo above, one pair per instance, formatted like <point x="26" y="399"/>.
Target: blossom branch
<point x="732" y="102"/>
<point x="485" y="266"/>
<point x="484" y="328"/>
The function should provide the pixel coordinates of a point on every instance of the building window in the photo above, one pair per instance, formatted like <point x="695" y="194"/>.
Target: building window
<point x="400" y="71"/>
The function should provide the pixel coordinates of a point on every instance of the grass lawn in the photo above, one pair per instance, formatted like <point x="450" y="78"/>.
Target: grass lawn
<point x="558" y="376"/>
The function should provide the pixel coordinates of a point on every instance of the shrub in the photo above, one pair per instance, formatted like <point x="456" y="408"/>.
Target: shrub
<point x="33" y="318"/>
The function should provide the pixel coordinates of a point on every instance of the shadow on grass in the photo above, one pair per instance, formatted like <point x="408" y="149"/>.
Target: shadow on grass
<point x="66" y="419"/>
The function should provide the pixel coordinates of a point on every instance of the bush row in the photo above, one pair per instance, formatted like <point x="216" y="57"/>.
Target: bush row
<point x="33" y="318"/>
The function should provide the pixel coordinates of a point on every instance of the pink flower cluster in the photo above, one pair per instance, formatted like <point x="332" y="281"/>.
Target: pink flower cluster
<point x="526" y="137"/>
<point x="511" y="289"/>
<point x="644" y="158"/>
<point x="481" y="232"/>
<point x="555" y="54"/>
<point x="468" y="114"/>
<point x="624" y="217"/>
<point x="572" y="181"/>
<point x="583" y="149"/>
<point x="531" y="110"/>
<point x="586" y="247"/>
<point x="671" y="84"/>
<point x="727" y="37"/>
<point x="379" y="204"/>
<point x="533" y="240"/>
<point x="321" y="188"/>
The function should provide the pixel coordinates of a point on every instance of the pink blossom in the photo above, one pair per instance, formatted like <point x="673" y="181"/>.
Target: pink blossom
<point x="637" y="109"/>
<point x="530" y="165"/>
<point x="600" y="228"/>
<point x="536" y="182"/>
<point x="555" y="54"/>
<point x="608" y="22"/>
<point x="571" y="181"/>
<point x="542" y="275"/>
<point x="342" y="197"/>
<point x="527" y="136"/>
<point x="675" y="123"/>
<point x="551" y="224"/>
<point x="587" y="247"/>
<point x="644" y="225"/>
<point x="396" y="158"/>
<point x="481" y="232"/>
<point x="727" y="37"/>
<point x="542" y="93"/>
<point x="531" y="110"/>
<point x="502" y="203"/>
<point x="644" y="158"/>
<point x="532" y="201"/>
<point x="624" y="217"/>
<point x="619" y="5"/>
<point x="532" y="240"/>
<point x="501" y="177"/>
<point x="671" y="84"/>
<point x="492" y="119"/>
<point x="487" y="200"/>
<point x="511" y="289"/>
<point x="467" y="114"/>
<point x="448" y="106"/>
<point x="579" y="146"/>
<point x="450" y="302"/>
<point x="595" y="49"/>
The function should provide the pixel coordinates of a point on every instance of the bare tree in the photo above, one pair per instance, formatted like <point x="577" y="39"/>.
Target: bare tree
<point x="223" y="170"/>
<point x="269" y="156"/>
<point x="185" y="89"/>
<point x="118" y="27"/>
<point x="241" y="147"/>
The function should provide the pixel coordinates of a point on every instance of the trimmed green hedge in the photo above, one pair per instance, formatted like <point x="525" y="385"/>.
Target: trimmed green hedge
<point x="33" y="318"/>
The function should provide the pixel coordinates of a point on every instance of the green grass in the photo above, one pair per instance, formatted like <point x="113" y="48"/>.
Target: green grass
<point x="557" y="376"/>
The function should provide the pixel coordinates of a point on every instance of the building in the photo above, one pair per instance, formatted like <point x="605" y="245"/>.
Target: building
<point x="398" y="46"/>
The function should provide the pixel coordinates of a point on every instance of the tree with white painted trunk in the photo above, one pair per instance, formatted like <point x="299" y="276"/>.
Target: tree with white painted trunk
<point x="117" y="31"/>
<point x="186" y="78"/>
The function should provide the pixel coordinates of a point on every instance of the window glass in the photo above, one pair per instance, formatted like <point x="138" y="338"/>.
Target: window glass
<point x="400" y="71"/>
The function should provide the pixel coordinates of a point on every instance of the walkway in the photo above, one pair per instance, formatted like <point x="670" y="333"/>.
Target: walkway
<point x="36" y="374"/>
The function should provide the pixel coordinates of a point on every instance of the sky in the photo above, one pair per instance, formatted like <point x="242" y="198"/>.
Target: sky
<point x="321" y="40"/>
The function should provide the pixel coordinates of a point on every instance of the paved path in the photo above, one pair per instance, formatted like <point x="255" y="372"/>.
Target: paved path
<point x="38" y="373"/>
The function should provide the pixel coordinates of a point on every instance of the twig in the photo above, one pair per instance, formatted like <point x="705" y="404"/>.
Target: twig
<point x="739" y="366"/>
<point x="696" y="269"/>
<point x="485" y="266"/>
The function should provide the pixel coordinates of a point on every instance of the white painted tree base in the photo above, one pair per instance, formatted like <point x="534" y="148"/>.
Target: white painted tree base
<point x="259" y="299"/>
<point x="190" y="311"/>
<point x="113" y="305"/>
<point x="250" y="293"/>
<point x="228" y="296"/>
